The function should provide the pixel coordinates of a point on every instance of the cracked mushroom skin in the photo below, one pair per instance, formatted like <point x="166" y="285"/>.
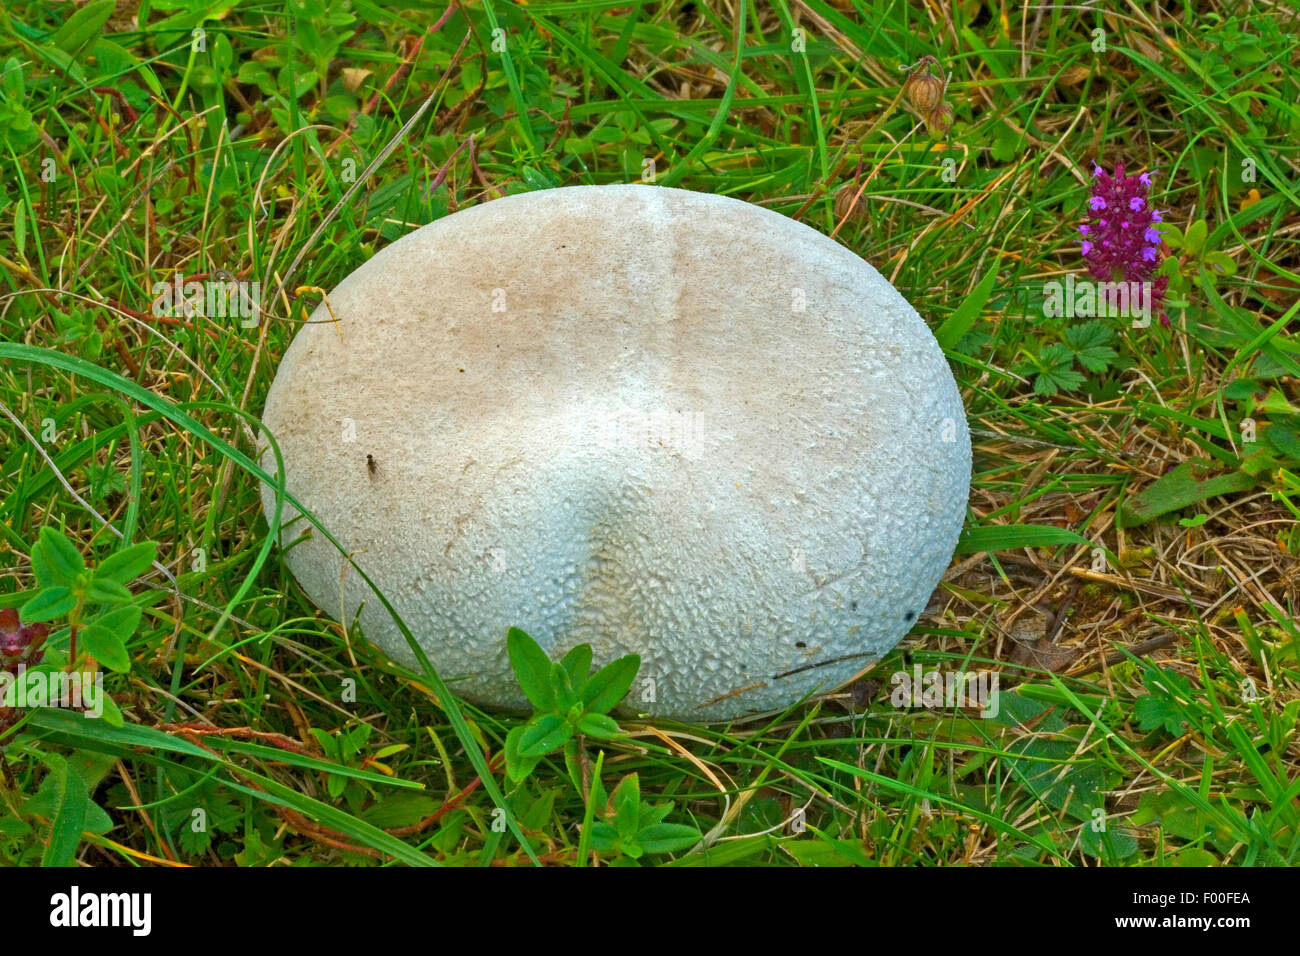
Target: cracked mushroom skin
<point x="655" y="421"/>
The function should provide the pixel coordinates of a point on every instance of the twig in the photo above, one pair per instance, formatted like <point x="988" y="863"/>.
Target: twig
<point x="1137" y="650"/>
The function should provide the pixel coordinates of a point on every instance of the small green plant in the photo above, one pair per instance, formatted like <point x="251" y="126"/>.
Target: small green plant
<point x="1275" y="442"/>
<point x="296" y="62"/>
<point x="348" y="748"/>
<point x="632" y="828"/>
<point x="567" y="700"/>
<point x="49" y="824"/>
<point x="78" y="332"/>
<point x="1194" y="261"/>
<point x="101" y="613"/>
<point x="16" y="125"/>
<point x="104" y="481"/>
<point x="202" y="816"/>
<point x="1088" y="343"/>
<point x="1239" y="45"/>
<point x="1234" y="715"/>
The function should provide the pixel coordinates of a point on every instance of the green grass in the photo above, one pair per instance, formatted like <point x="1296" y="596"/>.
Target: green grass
<point x="1150" y="671"/>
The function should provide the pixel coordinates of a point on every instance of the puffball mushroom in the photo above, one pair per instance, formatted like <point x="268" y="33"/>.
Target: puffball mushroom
<point x="654" y="421"/>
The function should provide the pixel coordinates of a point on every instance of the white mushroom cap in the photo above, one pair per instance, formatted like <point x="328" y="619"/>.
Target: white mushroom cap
<point x="655" y="421"/>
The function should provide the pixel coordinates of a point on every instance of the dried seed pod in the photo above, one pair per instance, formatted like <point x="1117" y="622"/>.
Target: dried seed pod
<point x="939" y="121"/>
<point x="845" y="207"/>
<point x="924" y="90"/>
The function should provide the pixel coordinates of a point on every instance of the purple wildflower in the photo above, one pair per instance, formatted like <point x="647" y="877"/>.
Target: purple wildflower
<point x="20" y="640"/>
<point x="20" y="645"/>
<point x="1127" y="250"/>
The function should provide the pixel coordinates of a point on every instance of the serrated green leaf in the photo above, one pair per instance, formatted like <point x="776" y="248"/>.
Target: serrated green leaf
<point x="1058" y="353"/>
<point x="1057" y="379"/>
<point x="1088" y="334"/>
<point x="1154" y="712"/>
<point x="1089" y="343"/>
<point x="1096" y="359"/>
<point x="194" y="842"/>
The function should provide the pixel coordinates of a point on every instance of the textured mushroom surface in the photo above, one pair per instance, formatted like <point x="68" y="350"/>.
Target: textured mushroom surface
<point x="656" y="421"/>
